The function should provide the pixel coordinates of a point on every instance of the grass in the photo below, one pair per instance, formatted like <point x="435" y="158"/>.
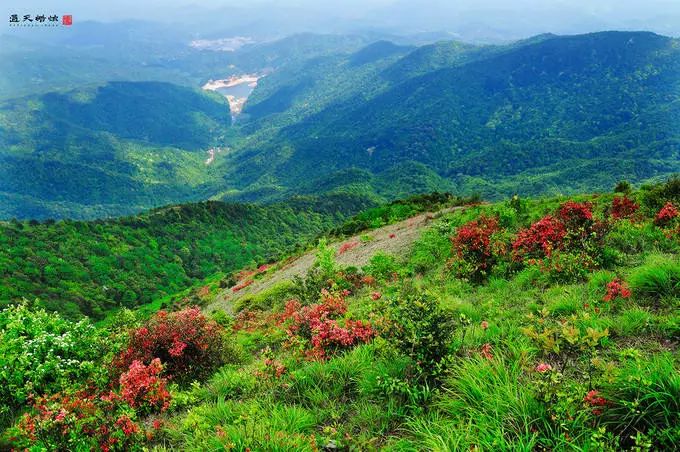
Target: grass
<point x="658" y="278"/>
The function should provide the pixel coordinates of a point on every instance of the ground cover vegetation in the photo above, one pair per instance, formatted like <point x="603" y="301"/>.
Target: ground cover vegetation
<point x="526" y="324"/>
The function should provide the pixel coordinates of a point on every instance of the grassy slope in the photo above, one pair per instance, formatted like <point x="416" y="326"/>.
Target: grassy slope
<point x="361" y="399"/>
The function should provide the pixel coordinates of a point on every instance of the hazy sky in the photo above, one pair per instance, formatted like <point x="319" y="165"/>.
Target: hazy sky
<point x="514" y="18"/>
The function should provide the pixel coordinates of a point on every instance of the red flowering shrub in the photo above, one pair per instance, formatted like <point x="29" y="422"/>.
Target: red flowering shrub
<point x="543" y="368"/>
<point x="186" y="342"/>
<point x="143" y="387"/>
<point x="376" y="296"/>
<point x="347" y="246"/>
<point x="317" y="325"/>
<point x="249" y="320"/>
<point x="595" y="401"/>
<point x="666" y="215"/>
<point x="540" y="239"/>
<point x="486" y="351"/>
<point x="242" y="285"/>
<point x="617" y="289"/>
<point x="80" y="421"/>
<point x="565" y="266"/>
<point x="472" y="246"/>
<point x="575" y="215"/>
<point x="328" y="336"/>
<point x="566" y="246"/>
<point x="368" y="280"/>
<point x="623" y="207"/>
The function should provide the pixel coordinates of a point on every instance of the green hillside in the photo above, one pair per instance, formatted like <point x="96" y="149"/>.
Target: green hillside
<point x="552" y="114"/>
<point x="108" y="150"/>
<point x="534" y="324"/>
<point x="91" y="267"/>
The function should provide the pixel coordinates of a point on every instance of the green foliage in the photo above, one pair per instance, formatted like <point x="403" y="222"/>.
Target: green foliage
<point x="655" y="196"/>
<point x="420" y="328"/>
<point x="382" y="266"/>
<point x="108" y="150"/>
<point x="622" y="187"/>
<point x="397" y="211"/>
<point x="42" y="353"/>
<point x="461" y="118"/>
<point x="492" y="400"/>
<point x="646" y="399"/>
<point x="531" y="363"/>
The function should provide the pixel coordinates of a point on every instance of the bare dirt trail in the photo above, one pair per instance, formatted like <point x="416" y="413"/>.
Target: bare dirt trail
<point x="394" y="239"/>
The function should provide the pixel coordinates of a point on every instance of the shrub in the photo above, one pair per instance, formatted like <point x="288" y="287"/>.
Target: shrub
<point x="635" y="238"/>
<point x="40" y="352"/>
<point x="318" y="329"/>
<point x="616" y="289"/>
<point x="666" y="215"/>
<point x="473" y="247"/>
<point x="432" y="248"/>
<point x="242" y="285"/>
<point x="622" y="187"/>
<point x="540" y="239"/>
<point x="382" y="266"/>
<point x="575" y="215"/>
<point x="564" y="266"/>
<point x="420" y="329"/>
<point x="80" y="421"/>
<point x="656" y="196"/>
<point x="623" y="207"/>
<point x="187" y="343"/>
<point x="347" y="246"/>
<point x="143" y="387"/>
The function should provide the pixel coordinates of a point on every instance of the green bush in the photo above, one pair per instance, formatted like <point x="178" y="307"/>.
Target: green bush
<point x="431" y="250"/>
<point x="40" y="353"/>
<point x="421" y="328"/>
<point x="381" y="266"/>
<point x="631" y="238"/>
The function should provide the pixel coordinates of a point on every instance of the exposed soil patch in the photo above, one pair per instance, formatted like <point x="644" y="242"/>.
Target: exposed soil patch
<point x="395" y="239"/>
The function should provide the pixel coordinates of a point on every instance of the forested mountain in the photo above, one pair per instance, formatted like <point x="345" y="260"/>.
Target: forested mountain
<point x="549" y="114"/>
<point x="334" y="113"/>
<point x="91" y="267"/>
<point x="107" y="149"/>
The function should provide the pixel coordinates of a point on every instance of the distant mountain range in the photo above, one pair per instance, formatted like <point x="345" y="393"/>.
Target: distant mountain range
<point x="336" y="114"/>
<point x="549" y="114"/>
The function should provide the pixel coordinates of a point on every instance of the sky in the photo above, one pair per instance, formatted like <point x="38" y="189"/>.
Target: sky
<point x="496" y="19"/>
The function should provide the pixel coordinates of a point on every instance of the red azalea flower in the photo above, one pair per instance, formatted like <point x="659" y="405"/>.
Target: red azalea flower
<point x="543" y="367"/>
<point x="667" y="213"/>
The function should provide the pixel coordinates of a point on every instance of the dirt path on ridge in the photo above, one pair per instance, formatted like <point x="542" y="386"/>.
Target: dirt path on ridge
<point x="395" y="239"/>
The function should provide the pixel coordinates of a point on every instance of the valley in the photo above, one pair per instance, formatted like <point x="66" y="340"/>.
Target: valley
<point x="236" y="89"/>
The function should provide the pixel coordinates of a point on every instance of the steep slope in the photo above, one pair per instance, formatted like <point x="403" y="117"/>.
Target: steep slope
<point x="605" y="103"/>
<point x="106" y="150"/>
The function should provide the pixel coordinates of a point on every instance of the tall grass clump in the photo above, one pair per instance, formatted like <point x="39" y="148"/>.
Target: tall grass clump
<point x="645" y="398"/>
<point x="657" y="279"/>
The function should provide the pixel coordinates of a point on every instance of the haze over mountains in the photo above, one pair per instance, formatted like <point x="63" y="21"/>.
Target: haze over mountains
<point x="107" y="119"/>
